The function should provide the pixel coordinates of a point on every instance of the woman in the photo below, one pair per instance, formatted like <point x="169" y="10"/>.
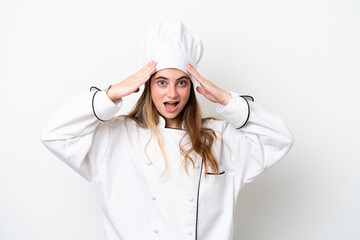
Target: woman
<point x="163" y="172"/>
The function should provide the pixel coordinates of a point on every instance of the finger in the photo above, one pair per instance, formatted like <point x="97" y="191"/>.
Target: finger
<point x="152" y="62"/>
<point x="195" y="73"/>
<point x="153" y="69"/>
<point x="206" y="94"/>
<point x="144" y="79"/>
<point x="200" y="90"/>
<point x="150" y="71"/>
<point x="146" y="73"/>
<point x="148" y="66"/>
<point x="192" y="70"/>
<point x="146" y="76"/>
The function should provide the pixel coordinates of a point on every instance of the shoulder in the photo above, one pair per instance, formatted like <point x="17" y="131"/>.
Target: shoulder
<point x="214" y="123"/>
<point x="123" y="122"/>
<point x="221" y="126"/>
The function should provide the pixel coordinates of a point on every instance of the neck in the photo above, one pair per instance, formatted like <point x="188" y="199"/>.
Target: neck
<point x="172" y="123"/>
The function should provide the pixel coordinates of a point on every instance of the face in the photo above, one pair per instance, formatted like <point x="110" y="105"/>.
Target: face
<point x="170" y="91"/>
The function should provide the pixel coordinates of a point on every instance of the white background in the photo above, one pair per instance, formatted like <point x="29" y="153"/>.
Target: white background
<point x="298" y="58"/>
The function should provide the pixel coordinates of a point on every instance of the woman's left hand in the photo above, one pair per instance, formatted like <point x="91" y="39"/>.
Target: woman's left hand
<point x="208" y="89"/>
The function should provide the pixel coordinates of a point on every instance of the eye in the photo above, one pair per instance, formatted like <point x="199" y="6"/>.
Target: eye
<point x="182" y="83"/>
<point x="161" y="82"/>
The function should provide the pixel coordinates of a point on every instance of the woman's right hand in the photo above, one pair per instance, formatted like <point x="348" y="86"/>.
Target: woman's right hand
<point x="131" y="84"/>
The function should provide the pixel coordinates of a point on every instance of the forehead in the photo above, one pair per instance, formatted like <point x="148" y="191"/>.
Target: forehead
<point x="170" y="73"/>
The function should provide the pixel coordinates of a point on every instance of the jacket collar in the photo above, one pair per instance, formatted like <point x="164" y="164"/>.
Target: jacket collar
<point x="162" y="124"/>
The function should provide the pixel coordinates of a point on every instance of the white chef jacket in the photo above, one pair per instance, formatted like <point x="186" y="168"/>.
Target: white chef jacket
<point x="137" y="202"/>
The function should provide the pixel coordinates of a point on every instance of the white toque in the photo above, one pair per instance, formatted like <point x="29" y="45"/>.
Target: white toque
<point x="171" y="45"/>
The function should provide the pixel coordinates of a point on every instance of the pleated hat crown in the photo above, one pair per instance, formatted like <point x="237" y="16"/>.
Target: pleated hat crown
<point x="171" y="45"/>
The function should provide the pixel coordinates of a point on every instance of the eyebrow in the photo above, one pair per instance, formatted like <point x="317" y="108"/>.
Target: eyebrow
<point x="162" y="77"/>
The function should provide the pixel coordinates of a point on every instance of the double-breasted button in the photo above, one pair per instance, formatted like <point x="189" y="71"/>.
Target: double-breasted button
<point x="189" y="233"/>
<point x="153" y="198"/>
<point x="155" y="231"/>
<point x="191" y="199"/>
<point x="149" y="163"/>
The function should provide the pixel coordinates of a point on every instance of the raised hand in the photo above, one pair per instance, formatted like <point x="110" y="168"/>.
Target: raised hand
<point x="208" y="89"/>
<point x="131" y="84"/>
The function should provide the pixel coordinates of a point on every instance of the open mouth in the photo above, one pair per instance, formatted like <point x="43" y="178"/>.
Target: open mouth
<point x="171" y="106"/>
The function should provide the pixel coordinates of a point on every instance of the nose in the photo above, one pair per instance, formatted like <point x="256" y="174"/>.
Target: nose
<point x="172" y="91"/>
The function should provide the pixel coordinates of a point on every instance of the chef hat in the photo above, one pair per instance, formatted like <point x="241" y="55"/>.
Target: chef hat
<point x="171" y="45"/>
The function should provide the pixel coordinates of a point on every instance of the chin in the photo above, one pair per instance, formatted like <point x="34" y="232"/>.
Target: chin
<point x="170" y="116"/>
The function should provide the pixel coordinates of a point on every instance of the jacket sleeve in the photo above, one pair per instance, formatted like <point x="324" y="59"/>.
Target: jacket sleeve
<point x="79" y="132"/>
<point x="257" y="137"/>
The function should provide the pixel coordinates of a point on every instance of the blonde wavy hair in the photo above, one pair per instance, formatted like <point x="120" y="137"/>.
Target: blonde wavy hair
<point x="200" y="139"/>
